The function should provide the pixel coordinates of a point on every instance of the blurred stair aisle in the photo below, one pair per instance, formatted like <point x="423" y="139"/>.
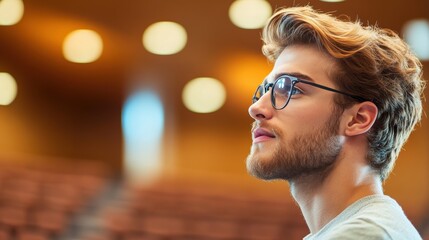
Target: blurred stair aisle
<point x="88" y="223"/>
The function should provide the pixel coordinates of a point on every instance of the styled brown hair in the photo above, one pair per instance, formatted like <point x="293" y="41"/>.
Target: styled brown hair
<point x="373" y="63"/>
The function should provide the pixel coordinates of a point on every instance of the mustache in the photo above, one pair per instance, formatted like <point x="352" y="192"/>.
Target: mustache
<point x="254" y="125"/>
<point x="274" y="130"/>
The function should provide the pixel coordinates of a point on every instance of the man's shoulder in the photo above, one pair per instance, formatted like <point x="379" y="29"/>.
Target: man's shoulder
<point x="377" y="217"/>
<point x="373" y="228"/>
<point x="358" y="229"/>
<point x="382" y="218"/>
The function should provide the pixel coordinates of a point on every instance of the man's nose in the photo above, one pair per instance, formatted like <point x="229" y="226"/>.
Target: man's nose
<point x="261" y="109"/>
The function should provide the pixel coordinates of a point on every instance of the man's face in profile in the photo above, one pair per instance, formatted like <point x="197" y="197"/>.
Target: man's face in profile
<point x="300" y="139"/>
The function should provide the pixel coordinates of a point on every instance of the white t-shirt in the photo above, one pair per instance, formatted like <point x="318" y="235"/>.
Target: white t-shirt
<point x="372" y="217"/>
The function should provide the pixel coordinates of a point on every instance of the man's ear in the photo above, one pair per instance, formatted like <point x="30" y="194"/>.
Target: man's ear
<point x="360" y="118"/>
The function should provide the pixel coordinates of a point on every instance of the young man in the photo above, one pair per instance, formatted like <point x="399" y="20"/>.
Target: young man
<point x="331" y="119"/>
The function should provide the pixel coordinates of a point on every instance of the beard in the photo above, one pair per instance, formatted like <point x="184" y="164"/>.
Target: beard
<point x="311" y="154"/>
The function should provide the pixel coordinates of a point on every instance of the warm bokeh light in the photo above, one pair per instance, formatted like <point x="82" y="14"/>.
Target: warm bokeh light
<point x="416" y="33"/>
<point x="242" y="73"/>
<point x="204" y="95"/>
<point x="250" y="14"/>
<point x="8" y="88"/>
<point x="11" y="12"/>
<point x="82" y="46"/>
<point x="143" y="127"/>
<point x="164" y="38"/>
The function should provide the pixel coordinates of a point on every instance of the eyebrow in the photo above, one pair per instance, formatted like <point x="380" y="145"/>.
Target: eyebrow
<point x="298" y="75"/>
<point x="293" y="74"/>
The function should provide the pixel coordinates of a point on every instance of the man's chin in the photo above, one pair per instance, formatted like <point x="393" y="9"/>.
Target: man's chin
<point x="258" y="167"/>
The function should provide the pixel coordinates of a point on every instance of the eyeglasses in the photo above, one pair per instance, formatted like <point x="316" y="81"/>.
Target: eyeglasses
<point x="284" y="87"/>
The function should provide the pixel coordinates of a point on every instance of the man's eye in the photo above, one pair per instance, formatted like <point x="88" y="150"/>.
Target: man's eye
<point x="296" y="90"/>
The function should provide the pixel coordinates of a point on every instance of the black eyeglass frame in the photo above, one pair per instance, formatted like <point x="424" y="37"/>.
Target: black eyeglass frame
<point x="266" y="87"/>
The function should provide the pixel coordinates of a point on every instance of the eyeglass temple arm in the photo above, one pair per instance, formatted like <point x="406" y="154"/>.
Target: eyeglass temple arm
<point x="360" y="99"/>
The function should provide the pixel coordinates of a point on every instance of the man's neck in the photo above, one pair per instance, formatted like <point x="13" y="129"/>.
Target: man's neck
<point x="322" y="198"/>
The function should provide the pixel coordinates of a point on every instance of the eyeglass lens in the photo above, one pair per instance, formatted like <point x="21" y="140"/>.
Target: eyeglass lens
<point x="260" y="91"/>
<point x="280" y="92"/>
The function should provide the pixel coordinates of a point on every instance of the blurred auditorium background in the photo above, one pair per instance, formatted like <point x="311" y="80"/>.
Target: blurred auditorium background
<point x="128" y="119"/>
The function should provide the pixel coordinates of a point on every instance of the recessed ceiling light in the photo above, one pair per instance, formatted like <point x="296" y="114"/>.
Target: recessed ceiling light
<point x="250" y="14"/>
<point x="82" y="46"/>
<point x="8" y="88"/>
<point x="204" y="95"/>
<point x="164" y="38"/>
<point x="11" y="11"/>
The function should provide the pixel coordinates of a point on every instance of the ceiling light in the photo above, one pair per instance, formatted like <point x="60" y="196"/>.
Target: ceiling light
<point x="164" y="38"/>
<point x="8" y="88"/>
<point x="250" y="14"/>
<point x="204" y="95"/>
<point x="11" y="11"/>
<point x="82" y="46"/>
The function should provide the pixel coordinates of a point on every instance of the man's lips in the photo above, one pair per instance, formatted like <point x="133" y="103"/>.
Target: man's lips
<point x="261" y="134"/>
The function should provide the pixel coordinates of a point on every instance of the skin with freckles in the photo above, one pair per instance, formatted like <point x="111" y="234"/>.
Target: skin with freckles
<point x="311" y="143"/>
